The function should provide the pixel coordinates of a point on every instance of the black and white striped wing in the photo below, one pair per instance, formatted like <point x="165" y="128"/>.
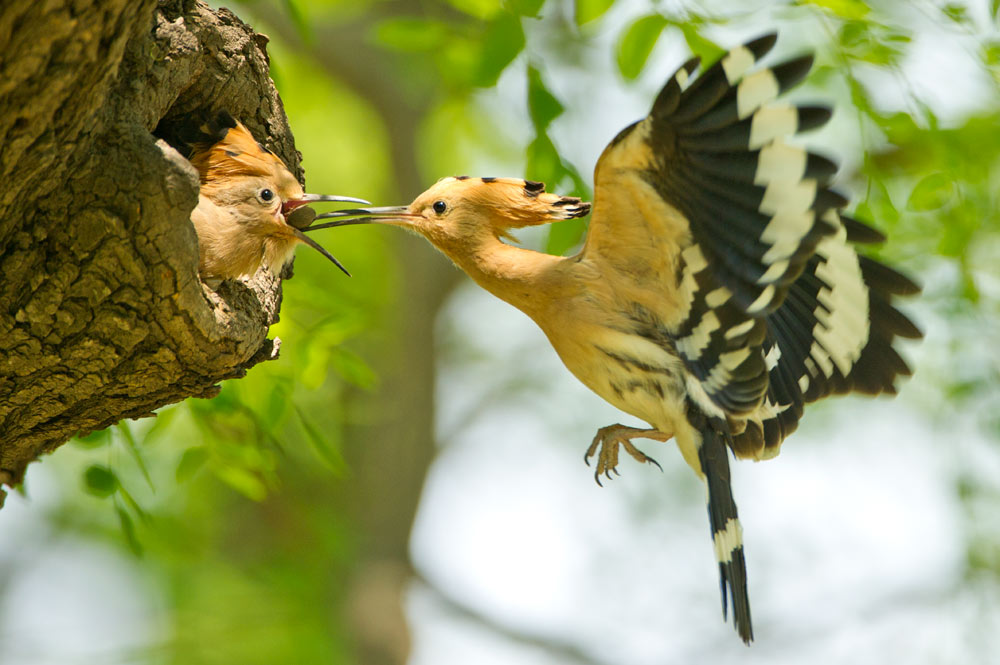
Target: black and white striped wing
<point x="833" y="334"/>
<point x="742" y="211"/>
<point x="755" y="204"/>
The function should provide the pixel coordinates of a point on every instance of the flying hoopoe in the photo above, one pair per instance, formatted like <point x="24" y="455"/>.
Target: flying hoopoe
<point x="249" y="204"/>
<point x="718" y="290"/>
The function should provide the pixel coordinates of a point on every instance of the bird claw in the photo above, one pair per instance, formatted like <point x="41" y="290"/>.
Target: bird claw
<point x="609" y="438"/>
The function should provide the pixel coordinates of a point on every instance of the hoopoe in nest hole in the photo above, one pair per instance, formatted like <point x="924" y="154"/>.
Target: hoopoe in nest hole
<point x="718" y="290"/>
<point x="250" y="207"/>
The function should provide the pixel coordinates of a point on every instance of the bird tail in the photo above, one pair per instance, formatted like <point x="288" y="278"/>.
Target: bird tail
<point x="727" y="535"/>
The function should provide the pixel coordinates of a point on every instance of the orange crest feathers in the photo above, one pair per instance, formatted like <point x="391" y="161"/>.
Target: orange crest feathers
<point x="522" y="202"/>
<point x="235" y="153"/>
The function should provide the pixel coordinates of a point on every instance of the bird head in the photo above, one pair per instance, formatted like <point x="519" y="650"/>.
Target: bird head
<point x="459" y="211"/>
<point x="242" y="175"/>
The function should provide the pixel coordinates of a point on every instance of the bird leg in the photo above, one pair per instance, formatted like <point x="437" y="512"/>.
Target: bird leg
<point x="610" y="437"/>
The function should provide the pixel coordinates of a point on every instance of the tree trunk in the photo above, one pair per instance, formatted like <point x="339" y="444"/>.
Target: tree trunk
<point x="102" y="314"/>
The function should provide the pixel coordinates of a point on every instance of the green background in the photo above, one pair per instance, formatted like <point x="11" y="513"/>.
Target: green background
<point x="273" y="523"/>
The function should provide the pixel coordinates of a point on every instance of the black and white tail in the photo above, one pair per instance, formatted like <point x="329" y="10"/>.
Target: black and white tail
<point x="727" y="534"/>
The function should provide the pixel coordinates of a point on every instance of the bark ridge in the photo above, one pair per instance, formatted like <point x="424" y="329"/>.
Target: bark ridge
<point x="102" y="314"/>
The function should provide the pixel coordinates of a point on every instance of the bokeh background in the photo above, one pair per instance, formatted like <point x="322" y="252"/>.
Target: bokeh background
<point x="405" y="484"/>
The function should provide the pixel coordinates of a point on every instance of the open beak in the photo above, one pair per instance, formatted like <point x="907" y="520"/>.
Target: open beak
<point x="292" y="204"/>
<point x="382" y="215"/>
<point x="319" y="248"/>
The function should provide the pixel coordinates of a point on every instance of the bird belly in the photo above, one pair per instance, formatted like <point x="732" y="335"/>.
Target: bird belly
<point x="635" y="375"/>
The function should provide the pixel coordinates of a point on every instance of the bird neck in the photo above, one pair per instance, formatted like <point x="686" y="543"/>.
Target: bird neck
<point x="522" y="277"/>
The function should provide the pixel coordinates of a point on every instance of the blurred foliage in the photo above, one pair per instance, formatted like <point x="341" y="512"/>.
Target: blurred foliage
<point x="191" y="491"/>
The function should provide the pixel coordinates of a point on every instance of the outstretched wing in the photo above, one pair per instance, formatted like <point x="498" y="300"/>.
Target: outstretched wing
<point x="712" y="152"/>
<point x="833" y="333"/>
<point x="707" y="192"/>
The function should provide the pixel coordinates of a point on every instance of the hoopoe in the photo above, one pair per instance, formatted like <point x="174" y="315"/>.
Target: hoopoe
<point x="250" y="205"/>
<point x="718" y="290"/>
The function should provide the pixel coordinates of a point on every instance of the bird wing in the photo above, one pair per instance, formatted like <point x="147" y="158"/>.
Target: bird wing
<point x="832" y="334"/>
<point x="752" y="254"/>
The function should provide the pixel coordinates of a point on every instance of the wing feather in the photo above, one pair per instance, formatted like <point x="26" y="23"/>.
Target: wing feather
<point x="774" y="308"/>
<point x="856" y="334"/>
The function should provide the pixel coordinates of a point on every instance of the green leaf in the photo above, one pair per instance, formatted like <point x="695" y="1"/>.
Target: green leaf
<point x="958" y="235"/>
<point x="191" y="461"/>
<point x="543" y="162"/>
<point x="458" y="60"/>
<point x="878" y="52"/>
<point x="956" y="12"/>
<point x="243" y="481"/>
<point x="931" y="193"/>
<point x="96" y="439"/>
<point x="970" y="292"/>
<point x="863" y="212"/>
<point x="872" y="43"/>
<point x="847" y="9"/>
<point x="275" y="405"/>
<point x="883" y="210"/>
<point x="128" y="530"/>
<point x="133" y="448"/>
<point x="638" y="43"/>
<point x="410" y="35"/>
<point x="130" y="500"/>
<point x="352" y="368"/>
<point x="327" y="448"/>
<point x="853" y="33"/>
<point x="542" y="104"/>
<point x="303" y="26"/>
<point x="525" y="7"/>
<point x="100" y="481"/>
<point x="700" y="46"/>
<point x="588" y="10"/>
<point x="483" y="10"/>
<point x="225" y="402"/>
<point x="565" y="235"/>
<point x="991" y="53"/>
<point x="161" y="423"/>
<point x="503" y="41"/>
<point x="954" y="243"/>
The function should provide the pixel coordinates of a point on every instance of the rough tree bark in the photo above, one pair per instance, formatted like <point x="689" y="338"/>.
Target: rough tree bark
<point x="102" y="314"/>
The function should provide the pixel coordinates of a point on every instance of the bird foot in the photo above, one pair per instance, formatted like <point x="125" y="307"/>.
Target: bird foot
<point x="610" y="437"/>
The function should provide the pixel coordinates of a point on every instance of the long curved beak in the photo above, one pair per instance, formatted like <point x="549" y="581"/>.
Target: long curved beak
<point x="319" y="248"/>
<point x="386" y="214"/>
<point x="379" y="215"/>
<point x="292" y="204"/>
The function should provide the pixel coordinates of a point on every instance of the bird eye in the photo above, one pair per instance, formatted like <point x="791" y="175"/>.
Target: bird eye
<point x="266" y="195"/>
<point x="440" y="207"/>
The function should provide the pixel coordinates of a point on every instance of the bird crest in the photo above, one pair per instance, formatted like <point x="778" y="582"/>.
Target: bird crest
<point x="228" y="150"/>
<point x="520" y="202"/>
